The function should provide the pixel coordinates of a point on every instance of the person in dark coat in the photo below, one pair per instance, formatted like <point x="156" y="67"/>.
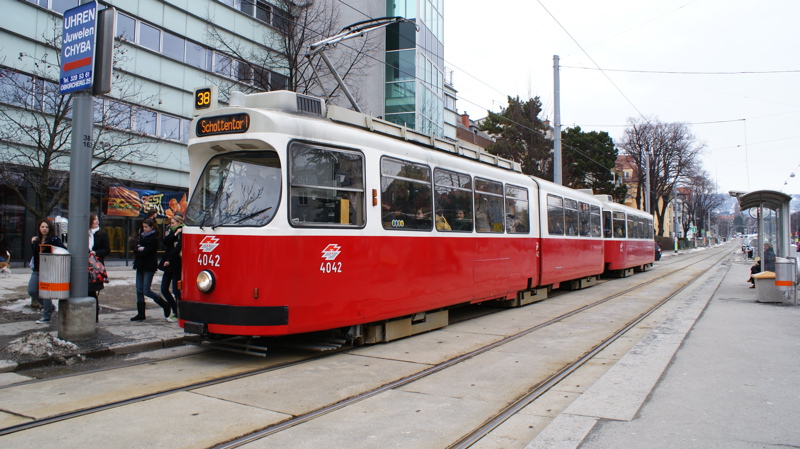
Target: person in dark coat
<point x="145" y="263"/>
<point x="46" y="235"/>
<point x="171" y="265"/>
<point x="755" y="269"/>
<point x="769" y="257"/>
<point x="100" y="247"/>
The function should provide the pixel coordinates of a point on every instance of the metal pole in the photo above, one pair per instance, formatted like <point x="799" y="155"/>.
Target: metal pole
<point x="339" y="80"/>
<point x="76" y="315"/>
<point x="647" y="183"/>
<point x="556" y="123"/>
<point x="675" y="216"/>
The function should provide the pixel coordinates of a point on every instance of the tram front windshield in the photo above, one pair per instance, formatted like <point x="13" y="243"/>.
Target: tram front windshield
<point x="237" y="189"/>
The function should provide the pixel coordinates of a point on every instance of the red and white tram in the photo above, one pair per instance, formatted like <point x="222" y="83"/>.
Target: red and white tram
<point x="628" y="235"/>
<point x="571" y="237"/>
<point x="305" y="218"/>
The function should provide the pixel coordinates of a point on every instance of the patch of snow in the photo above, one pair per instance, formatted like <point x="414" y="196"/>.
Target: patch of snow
<point x="39" y="344"/>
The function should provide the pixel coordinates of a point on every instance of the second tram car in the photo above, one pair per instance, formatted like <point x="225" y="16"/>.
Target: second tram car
<point x="305" y="218"/>
<point x="628" y="238"/>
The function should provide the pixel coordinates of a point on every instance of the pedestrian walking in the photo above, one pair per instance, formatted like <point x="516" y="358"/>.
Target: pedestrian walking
<point x="171" y="265"/>
<point x="99" y="247"/>
<point x="46" y="235"/>
<point x="145" y="263"/>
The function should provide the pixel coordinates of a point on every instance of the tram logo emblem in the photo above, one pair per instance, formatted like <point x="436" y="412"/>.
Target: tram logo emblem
<point x="209" y="244"/>
<point x="331" y="251"/>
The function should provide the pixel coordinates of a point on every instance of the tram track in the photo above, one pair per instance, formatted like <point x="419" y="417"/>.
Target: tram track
<point x="310" y="416"/>
<point x="517" y="405"/>
<point x="538" y="390"/>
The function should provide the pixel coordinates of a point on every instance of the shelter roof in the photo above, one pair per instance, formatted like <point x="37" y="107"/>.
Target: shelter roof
<point x="770" y="198"/>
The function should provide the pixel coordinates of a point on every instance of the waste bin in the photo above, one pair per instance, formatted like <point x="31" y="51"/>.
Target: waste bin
<point x="766" y="291"/>
<point x="54" y="272"/>
<point x="785" y="275"/>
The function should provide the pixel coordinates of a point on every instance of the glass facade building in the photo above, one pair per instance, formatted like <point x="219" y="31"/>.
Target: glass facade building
<point x="414" y="82"/>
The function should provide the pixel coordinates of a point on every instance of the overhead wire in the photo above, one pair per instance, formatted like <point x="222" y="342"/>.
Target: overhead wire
<point x="667" y="72"/>
<point x="533" y="130"/>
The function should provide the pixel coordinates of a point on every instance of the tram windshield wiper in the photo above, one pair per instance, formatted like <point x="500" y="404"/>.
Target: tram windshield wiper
<point x="252" y="215"/>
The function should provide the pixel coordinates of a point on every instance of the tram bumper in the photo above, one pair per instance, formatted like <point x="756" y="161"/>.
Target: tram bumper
<point x="192" y="327"/>
<point x="198" y="317"/>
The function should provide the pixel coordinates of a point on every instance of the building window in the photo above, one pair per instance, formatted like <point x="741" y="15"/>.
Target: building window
<point x="145" y="122"/>
<point x="197" y="56"/>
<point x="149" y="37"/>
<point x="126" y="27"/>
<point x="170" y="127"/>
<point x="174" y="46"/>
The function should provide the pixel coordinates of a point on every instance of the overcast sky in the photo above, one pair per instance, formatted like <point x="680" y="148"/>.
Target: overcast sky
<point x="506" y="47"/>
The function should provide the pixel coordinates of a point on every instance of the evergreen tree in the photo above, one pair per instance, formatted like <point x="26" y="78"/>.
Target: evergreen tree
<point x="588" y="162"/>
<point x="522" y="136"/>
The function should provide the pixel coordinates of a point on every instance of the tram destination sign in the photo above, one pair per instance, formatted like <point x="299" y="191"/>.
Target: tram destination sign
<point x="223" y="124"/>
<point x="77" y="48"/>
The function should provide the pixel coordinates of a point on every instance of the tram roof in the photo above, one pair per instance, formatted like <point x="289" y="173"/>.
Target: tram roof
<point x="390" y="129"/>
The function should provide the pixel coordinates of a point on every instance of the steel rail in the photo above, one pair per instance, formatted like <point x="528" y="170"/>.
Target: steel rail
<point x="310" y="416"/>
<point x="538" y="390"/>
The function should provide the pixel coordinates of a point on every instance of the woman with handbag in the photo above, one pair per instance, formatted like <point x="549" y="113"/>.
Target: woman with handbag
<point x="171" y="265"/>
<point x="46" y="235"/>
<point x="99" y="247"/>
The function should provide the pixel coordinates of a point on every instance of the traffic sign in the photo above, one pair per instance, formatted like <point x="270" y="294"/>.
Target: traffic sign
<point x="77" y="48"/>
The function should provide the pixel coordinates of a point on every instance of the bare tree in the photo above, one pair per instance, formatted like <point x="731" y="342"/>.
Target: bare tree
<point x="672" y="151"/>
<point x="36" y="130"/>
<point x="281" y="62"/>
<point x="703" y="200"/>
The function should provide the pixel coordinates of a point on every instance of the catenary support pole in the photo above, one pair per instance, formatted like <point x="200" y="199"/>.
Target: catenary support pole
<point x="556" y="123"/>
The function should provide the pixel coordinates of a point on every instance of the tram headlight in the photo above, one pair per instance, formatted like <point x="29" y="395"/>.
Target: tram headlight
<point x="205" y="281"/>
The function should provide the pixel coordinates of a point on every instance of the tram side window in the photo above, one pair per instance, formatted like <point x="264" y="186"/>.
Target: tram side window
<point x="555" y="215"/>
<point x="619" y="225"/>
<point x="327" y="186"/>
<point x="517" y="205"/>
<point x="650" y="233"/>
<point x="596" y="221"/>
<point x="406" y="201"/>
<point x="453" y="201"/>
<point x="631" y="228"/>
<point x="488" y="206"/>
<point x="585" y="217"/>
<point x="607" y="227"/>
<point x="571" y="216"/>
<point x="237" y="189"/>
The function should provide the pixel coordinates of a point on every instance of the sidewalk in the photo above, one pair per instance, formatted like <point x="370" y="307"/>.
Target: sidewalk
<point x="25" y="344"/>
<point x="720" y="372"/>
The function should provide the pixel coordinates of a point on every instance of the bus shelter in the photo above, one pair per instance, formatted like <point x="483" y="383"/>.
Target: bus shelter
<point x="771" y="209"/>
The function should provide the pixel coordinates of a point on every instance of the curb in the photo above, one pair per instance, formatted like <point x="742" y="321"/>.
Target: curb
<point x="8" y="366"/>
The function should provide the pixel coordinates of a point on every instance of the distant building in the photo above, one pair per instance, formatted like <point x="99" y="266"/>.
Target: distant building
<point x="627" y="167"/>
<point x="468" y="131"/>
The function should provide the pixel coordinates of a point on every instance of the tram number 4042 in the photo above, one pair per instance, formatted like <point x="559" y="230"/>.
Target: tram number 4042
<point x="330" y="267"/>
<point x="208" y="260"/>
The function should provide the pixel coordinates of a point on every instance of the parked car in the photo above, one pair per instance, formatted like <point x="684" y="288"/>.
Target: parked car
<point x="658" y="251"/>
